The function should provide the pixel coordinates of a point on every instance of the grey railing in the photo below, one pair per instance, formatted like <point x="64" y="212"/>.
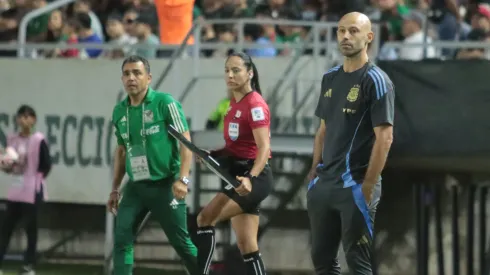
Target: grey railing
<point x="22" y="34"/>
<point x="176" y="54"/>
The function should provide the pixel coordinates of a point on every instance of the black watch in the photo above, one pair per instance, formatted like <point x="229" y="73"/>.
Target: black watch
<point x="248" y="175"/>
<point x="185" y="180"/>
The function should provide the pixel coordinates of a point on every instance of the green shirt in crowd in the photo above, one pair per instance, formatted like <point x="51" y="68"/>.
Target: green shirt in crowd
<point x="38" y="25"/>
<point x="151" y="153"/>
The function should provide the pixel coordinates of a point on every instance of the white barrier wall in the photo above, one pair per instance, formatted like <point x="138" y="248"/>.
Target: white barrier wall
<point x="74" y="100"/>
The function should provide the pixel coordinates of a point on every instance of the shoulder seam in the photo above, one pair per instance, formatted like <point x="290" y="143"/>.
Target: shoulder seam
<point x="334" y="69"/>
<point x="379" y="81"/>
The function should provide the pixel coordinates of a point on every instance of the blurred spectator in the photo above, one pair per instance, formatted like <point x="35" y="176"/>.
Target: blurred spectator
<point x="55" y="26"/>
<point x="337" y="8"/>
<point x="243" y="8"/>
<point x="277" y="7"/>
<point x="226" y="36"/>
<point x="118" y="36"/>
<point x="146" y="8"/>
<point x="481" y="18"/>
<point x="69" y="31"/>
<point x="175" y="19"/>
<point x="61" y="31"/>
<point x="84" y="6"/>
<point x="255" y="34"/>
<point x="87" y="35"/>
<point x="264" y="12"/>
<point x="386" y="52"/>
<point x="129" y="22"/>
<point x="38" y="27"/>
<point x="4" y="5"/>
<point x="9" y="23"/>
<point x="311" y="10"/>
<point x="289" y="35"/>
<point x="445" y="13"/>
<point x="392" y="12"/>
<point x="146" y="38"/>
<point x="413" y="33"/>
<point x="476" y="35"/>
<point x="218" y="9"/>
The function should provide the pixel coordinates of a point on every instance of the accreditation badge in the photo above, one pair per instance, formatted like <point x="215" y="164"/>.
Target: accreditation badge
<point x="139" y="162"/>
<point x="233" y="131"/>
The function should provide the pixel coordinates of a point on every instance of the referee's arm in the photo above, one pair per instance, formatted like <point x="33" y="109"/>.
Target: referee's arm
<point x="382" y="96"/>
<point x="177" y="119"/>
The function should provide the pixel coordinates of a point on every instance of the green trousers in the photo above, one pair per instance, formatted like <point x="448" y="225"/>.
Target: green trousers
<point x="138" y="199"/>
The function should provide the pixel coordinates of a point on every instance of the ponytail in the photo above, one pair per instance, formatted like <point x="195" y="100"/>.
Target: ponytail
<point x="254" y="82"/>
<point x="247" y="61"/>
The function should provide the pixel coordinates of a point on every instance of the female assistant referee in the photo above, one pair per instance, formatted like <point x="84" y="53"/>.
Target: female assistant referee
<point x="245" y="155"/>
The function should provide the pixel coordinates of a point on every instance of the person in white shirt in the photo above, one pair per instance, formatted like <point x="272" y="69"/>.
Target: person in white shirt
<point x="413" y="33"/>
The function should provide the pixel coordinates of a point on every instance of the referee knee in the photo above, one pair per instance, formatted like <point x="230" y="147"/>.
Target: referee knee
<point x="247" y="245"/>
<point x="204" y="219"/>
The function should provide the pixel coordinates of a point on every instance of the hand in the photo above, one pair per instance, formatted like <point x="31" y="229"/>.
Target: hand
<point x="113" y="202"/>
<point x="179" y="189"/>
<point x="311" y="175"/>
<point x="245" y="188"/>
<point x="367" y="191"/>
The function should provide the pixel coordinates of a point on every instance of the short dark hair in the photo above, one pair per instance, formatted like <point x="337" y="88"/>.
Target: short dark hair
<point x="84" y="20"/>
<point x="253" y="30"/>
<point x="136" y="59"/>
<point x="249" y="64"/>
<point x="26" y="110"/>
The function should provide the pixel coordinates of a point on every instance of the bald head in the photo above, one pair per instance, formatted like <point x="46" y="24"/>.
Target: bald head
<point x="360" y="20"/>
<point x="354" y="34"/>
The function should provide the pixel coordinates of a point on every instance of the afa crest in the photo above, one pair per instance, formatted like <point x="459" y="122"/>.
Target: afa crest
<point x="353" y="93"/>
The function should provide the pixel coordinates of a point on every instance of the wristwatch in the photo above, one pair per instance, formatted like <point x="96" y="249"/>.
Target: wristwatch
<point x="185" y="180"/>
<point x="248" y="175"/>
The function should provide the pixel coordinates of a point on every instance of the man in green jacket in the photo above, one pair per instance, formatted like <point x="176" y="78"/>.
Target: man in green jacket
<point x="158" y="170"/>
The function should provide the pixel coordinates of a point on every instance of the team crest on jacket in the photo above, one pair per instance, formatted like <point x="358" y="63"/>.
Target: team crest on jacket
<point x="148" y="116"/>
<point x="353" y="93"/>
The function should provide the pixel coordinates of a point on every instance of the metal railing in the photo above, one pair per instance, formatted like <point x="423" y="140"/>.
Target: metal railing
<point x="176" y="54"/>
<point x="22" y="34"/>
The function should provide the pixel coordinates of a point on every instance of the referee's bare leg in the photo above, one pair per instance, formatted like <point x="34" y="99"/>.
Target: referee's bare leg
<point x="325" y="225"/>
<point x="245" y="225"/>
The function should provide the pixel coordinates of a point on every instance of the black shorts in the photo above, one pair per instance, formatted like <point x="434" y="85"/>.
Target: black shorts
<point x="261" y="185"/>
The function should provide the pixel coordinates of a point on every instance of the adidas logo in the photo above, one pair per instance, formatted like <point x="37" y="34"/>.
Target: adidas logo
<point x="123" y="119"/>
<point x="174" y="203"/>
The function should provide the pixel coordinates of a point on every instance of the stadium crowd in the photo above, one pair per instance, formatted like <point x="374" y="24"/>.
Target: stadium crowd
<point x="127" y="23"/>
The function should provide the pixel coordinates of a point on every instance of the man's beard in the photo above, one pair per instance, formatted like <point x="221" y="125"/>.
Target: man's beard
<point x="352" y="54"/>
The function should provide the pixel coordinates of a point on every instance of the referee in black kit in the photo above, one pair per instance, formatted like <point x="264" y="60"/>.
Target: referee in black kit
<point x="356" y="108"/>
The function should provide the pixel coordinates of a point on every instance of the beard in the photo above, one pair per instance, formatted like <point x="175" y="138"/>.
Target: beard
<point x="351" y="53"/>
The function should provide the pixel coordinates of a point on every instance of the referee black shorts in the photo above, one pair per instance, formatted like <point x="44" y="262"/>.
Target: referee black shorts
<point x="261" y="185"/>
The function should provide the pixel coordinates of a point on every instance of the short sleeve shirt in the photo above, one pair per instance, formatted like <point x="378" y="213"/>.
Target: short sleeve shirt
<point x="352" y="105"/>
<point x="250" y="113"/>
<point x="156" y="113"/>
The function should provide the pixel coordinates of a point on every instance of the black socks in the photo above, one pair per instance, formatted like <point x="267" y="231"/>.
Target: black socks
<point x="254" y="263"/>
<point x="206" y="243"/>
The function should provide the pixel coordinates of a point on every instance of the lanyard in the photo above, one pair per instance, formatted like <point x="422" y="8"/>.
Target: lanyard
<point x="143" y="133"/>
